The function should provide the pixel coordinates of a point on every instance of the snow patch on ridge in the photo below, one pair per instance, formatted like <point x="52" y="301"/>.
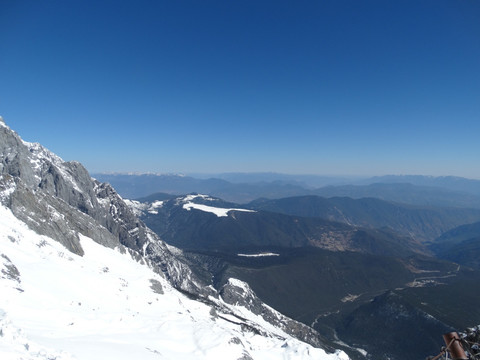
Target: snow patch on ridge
<point x="220" y="212"/>
<point x="258" y="255"/>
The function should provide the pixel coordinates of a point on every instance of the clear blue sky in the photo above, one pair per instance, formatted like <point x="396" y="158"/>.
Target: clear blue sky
<point x="320" y="87"/>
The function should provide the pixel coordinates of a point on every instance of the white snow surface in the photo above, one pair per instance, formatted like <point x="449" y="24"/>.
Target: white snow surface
<point x="58" y="305"/>
<point x="211" y="209"/>
<point x="258" y="255"/>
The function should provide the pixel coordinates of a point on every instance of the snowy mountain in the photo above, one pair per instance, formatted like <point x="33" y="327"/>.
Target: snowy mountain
<point x="82" y="277"/>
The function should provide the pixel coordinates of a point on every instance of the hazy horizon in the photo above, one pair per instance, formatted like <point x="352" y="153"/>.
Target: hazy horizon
<point x="273" y="174"/>
<point x="331" y="88"/>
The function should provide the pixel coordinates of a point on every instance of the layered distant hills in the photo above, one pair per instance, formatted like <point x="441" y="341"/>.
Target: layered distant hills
<point x="415" y="190"/>
<point x="424" y="223"/>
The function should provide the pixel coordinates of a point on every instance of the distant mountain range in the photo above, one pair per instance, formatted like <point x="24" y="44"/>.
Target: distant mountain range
<point x="454" y="183"/>
<point x="137" y="186"/>
<point x="422" y="190"/>
<point x="306" y="181"/>
<point x="405" y="193"/>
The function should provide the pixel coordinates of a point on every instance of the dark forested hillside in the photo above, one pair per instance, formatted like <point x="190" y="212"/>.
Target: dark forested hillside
<point x="423" y="223"/>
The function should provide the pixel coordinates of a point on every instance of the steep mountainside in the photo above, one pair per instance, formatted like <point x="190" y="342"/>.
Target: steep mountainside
<point x="466" y="253"/>
<point x="83" y="277"/>
<point x="391" y="313"/>
<point x="423" y="223"/>
<point x="402" y="323"/>
<point x="461" y="245"/>
<point x="460" y="234"/>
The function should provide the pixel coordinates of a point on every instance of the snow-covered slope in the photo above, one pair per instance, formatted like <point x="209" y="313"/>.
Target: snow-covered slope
<point x="55" y="304"/>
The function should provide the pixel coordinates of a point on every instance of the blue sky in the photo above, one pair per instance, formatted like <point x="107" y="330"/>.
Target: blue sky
<point x="319" y="87"/>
